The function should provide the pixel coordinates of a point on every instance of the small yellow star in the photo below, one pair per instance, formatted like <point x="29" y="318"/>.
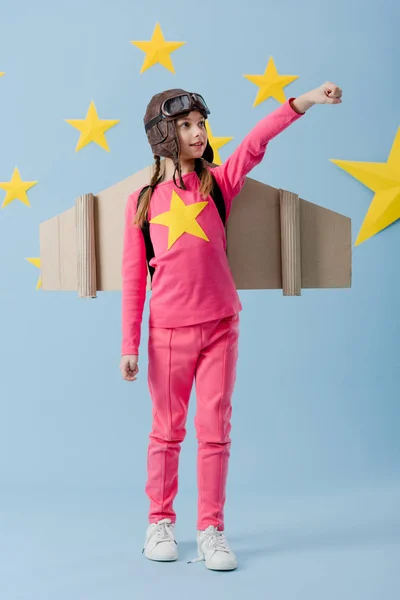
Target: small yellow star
<point x="384" y="180"/>
<point x="2" y="74"/>
<point x="16" y="189"/>
<point x="36" y="262"/>
<point x="271" y="84"/>
<point x="92" y="128"/>
<point x="216" y="143"/>
<point x="181" y="218"/>
<point x="158" y="50"/>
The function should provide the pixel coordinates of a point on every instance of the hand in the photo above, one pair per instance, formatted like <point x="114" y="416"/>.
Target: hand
<point x="328" y="93"/>
<point x="129" y="367"/>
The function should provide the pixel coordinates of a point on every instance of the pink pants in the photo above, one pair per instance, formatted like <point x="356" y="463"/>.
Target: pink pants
<point x="208" y="353"/>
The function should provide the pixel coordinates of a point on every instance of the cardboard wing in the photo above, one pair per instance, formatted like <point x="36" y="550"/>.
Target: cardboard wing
<point x="275" y="240"/>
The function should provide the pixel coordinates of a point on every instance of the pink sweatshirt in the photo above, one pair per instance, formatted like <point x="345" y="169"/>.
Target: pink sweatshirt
<point x="192" y="281"/>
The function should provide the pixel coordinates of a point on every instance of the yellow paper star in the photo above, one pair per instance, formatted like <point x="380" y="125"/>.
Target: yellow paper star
<point x="181" y="218"/>
<point x="271" y="84"/>
<point x="92" y="128"/>
<point x="216" y="143"/>
<point x="2" y="74"/>
<point x="158" y="50"/>
<point x="16" y="189"/>
<point x="36" y="262"/>
<point x="384" y="180"/>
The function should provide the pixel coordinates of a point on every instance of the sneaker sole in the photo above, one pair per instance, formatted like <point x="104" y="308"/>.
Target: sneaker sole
<point x="165" y="558"/>
<point x="231" y="567"/>
<point x="226" y="568"/>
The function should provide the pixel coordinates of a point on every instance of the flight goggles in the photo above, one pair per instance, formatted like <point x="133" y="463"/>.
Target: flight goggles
<point x="173" y="107"/>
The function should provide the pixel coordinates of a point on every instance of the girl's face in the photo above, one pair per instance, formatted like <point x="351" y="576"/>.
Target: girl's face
<point x="192" y="135"/>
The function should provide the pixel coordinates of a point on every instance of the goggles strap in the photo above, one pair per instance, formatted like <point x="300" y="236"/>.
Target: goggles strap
<point x="153" y="122"/>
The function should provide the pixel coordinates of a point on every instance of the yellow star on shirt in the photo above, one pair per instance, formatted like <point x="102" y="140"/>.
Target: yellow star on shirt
<point x="16" y="189"/>
<point x="181" y="218"/>
<point x="36" y="262"/>
<point x="384" y="180"/>
<point x="271" y="84"/>
<point x="92" y="128"/>
<point x="158" y="50"/>
<point x="216" y="143"/>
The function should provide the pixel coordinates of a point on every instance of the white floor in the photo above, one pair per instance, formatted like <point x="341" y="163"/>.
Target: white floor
<point x="84" y="545"/>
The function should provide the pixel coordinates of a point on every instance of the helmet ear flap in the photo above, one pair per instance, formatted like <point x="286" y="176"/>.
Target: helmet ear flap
<point x="177" y="155"/>
<point x="158" y="133"/>
<point x="176" y="138"/>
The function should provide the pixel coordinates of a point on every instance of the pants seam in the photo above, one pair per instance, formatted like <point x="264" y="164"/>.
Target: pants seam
<point x="199" y="443"/>
<point x="169" y="425"/>
<point x="219" y="427"/>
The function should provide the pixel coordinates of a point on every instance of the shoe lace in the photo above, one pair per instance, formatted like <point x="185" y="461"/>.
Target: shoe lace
<point x="164" y="531"/>
<point x="215" y="540"/>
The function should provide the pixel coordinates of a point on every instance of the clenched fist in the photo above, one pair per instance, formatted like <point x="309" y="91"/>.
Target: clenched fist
<point x="129" y="367"/>
<point x="327" y="93"/>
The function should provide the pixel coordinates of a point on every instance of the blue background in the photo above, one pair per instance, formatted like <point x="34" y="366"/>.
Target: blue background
<point x="314" y="483"/>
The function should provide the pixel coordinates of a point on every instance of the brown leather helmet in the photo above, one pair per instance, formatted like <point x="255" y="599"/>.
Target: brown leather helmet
<point x="159" y="120"/>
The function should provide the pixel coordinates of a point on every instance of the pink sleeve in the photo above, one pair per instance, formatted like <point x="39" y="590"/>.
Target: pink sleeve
<point x="250" y="152"/>
<point x="134" y="279"/>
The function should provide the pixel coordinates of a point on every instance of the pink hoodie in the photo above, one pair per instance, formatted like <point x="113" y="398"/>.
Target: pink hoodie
<point x="192" y="281"/>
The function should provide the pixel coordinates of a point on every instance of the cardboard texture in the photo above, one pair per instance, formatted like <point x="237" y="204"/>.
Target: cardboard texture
<point x="275" y="240"/>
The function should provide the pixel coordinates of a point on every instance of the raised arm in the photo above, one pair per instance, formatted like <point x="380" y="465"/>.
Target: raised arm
<point x="134" y="280"/>
<point x="231" y="174"/>
<point x="250" y="152"/>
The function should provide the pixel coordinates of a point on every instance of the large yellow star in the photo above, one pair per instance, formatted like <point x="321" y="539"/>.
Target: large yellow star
<point x="16" y="189"/>
<point x="181" y="218"/>
<point x="216" y="143"/>
<point x="384" y="180"/>
<point x="271" y="84"/>
<point x="158" y="50"/>
<point x="36" y="262"/>
<point x="92" y="128"/>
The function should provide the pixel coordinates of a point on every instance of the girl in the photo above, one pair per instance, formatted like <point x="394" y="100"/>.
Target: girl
<point x="194" y="305"/>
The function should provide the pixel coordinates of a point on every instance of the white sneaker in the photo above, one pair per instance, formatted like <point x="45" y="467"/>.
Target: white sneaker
<point x="160" y="542"/>
<point x="213" y="547"/>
